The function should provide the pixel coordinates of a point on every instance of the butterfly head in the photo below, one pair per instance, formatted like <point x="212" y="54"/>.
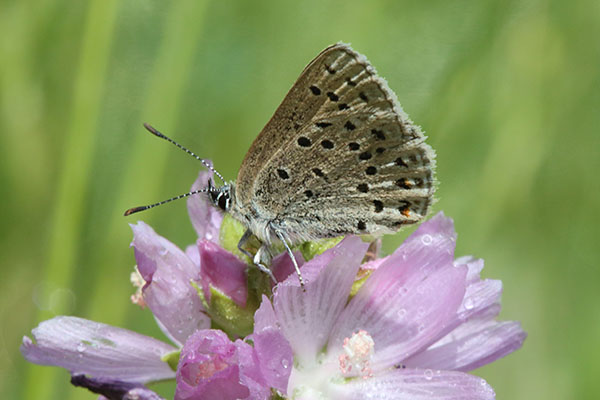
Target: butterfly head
<point x="220" y="196"/>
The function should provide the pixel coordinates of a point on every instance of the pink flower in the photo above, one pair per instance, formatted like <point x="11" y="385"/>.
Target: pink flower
<point x="415" y="326"/>
<point x="419" y="322"/>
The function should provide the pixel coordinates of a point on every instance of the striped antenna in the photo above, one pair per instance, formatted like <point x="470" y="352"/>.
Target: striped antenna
<point x="181" y="196"/>
<point x="155" y="132"/>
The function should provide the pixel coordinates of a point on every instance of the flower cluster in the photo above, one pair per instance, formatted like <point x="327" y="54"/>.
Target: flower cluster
<point x="409" y="325"/>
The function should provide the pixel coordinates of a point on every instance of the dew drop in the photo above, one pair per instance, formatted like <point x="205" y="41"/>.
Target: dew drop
<point x="426" y="240"/>
<point x="403" y="290"/>
<point x="163" y="251"/>
<point x="285" y="363"/>
<point x="421" y="328"/>
<point x="402" y="313"/>
<point x="469" y="303"/>
<point x="428" y="374"/>
<point x="80" y="347"/>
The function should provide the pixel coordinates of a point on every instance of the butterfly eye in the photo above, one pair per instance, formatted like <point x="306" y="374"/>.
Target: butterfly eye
<point x="223" y="201"/>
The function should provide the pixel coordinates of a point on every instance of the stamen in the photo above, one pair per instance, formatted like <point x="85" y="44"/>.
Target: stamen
<point x="358" y="351"/>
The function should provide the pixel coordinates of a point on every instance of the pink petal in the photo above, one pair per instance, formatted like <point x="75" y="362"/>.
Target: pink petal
<point x="222" y="270"/>
<point x="205" y="218"/>
<point x="114" y="388"/>
<point x="99" y="350"/>
<point x="251" y="372"/>
<point x="168" y="292"/>
<point x="479" y="296"/>
<point x="471" y="345"/>
<point x="272" y="349"/>
<point x="209" y="368"/>
<point x="374" y="264"/>
<point x="193" y="253"/>
<point x="415" y="384"/>
<point x="307" y="317"/>
<point x="475" y="266"/>
<point x="283" y="266"/>
<point x="408" y="302"/>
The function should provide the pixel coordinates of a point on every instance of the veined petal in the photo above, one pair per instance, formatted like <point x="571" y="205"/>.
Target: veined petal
<point x="168" y="272"/>
<point x="274" y="352"/>
<point x="205" y="218"/>
<point x="306" y="317"/>
<point x="479" y="296"/>
<point x="408" y="302"/>
<point x="471" y="345"/>
<point x="99" y="350"/>
<point x="416" y="384"/>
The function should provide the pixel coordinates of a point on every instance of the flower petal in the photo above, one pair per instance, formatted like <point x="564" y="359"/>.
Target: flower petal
<point x="205" y="218"/>
<point x="222" y="270"/>
<point x="113" y="389"/>
<point x="274" y="353"/>
<point x="193" y="253"/>
<point x="416" y="384"/>
<point x="306" y="317"/>
<point x="99" y="350"/>
<point x="168" y="272"/>
<point x="471" y="345"/>
<point x="407" y="303"/>
<point x="479" y="296"/>
<point x="209" y="368"/>
<point x="283" y="266"/>
<point x="475" y="266"/>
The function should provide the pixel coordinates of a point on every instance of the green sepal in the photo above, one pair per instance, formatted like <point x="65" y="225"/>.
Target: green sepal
<point x="230" y="234"/>
<point x="226" y="314"/>
<point x="172" y="359"/>
<point x="359" y="282"/>
<point x="312" y="249"/>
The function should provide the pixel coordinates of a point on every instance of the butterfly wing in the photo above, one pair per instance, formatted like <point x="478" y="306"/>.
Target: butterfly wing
<point x="339" y="156"/>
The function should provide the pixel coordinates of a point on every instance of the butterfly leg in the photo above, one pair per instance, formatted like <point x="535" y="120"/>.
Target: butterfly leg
<point x="261" y="259"/>
<point x="291" y="254"/>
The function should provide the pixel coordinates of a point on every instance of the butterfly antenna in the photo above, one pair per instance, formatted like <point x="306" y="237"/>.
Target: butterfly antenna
<point x="155" y="132"/>
<point x="181" y="196"/>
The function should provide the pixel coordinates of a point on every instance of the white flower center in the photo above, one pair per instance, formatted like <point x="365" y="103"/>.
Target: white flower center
<point x="358" y="351"/>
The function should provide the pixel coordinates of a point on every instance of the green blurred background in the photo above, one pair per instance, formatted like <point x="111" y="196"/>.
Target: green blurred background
<point x="508" y="91"/>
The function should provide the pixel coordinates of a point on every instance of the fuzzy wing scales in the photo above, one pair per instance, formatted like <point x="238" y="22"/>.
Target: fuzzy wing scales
<point x="355" y="164"/>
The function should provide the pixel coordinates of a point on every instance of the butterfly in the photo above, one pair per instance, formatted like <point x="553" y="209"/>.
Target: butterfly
<point x="339" y="156"/>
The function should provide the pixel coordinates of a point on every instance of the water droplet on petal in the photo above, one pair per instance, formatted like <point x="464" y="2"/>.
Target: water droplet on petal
<point x="469" y="303"/>
<point x="428" y="374"/>
<point x="421" y="328"/>
<point x="163" y="251"/>
<point x="81" y="347"/>
<point x="402" y="313"/>
<point x="426" y="240"/>
<point x="285" y="363"/>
